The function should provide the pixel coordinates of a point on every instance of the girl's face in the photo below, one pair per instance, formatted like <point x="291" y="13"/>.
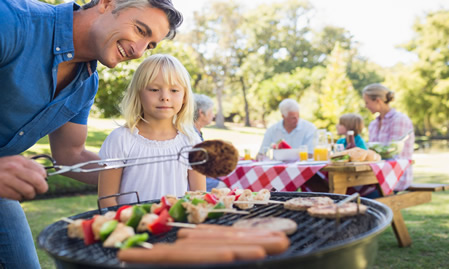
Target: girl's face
<point x="341" y="130"/>
<point x="372" y="105"/>
<point x="161" y="101"/>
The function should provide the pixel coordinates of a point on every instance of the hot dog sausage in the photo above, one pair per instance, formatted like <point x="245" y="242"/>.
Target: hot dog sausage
<point x="226" y="233"/>
<point x="271" y="244"/>
<point x="176" y="255"/>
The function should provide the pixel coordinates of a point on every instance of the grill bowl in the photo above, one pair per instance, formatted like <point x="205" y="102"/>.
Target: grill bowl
<point x="318" y="243"/>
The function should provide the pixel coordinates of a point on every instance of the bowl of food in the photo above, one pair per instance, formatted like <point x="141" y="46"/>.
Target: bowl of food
<point x="386" y="151"/>
<point x="286" y="154"/>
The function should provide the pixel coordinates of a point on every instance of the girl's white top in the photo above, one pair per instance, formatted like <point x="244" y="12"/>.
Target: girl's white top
<point x="151" y="181"/>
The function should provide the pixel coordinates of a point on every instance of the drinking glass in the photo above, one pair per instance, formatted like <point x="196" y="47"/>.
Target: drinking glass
<point x="303" y="154"/>
<point x="339" y="148"/>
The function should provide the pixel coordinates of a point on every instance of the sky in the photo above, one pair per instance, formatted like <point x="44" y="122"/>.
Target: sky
<point x="378" y="26"/>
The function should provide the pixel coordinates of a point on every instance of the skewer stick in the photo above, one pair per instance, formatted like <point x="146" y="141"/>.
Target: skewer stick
<point x="259" y="202"/>
<point x="232" y="211"/>
<point x="67" y="220"/>
<point x="181" y="224"/>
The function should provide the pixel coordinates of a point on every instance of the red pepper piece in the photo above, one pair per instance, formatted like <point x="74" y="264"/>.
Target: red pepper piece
<point x="162" y="205"/>
<point x="232" y="192"/>
<point x="88" y="233"/>
<point x="210" y="198"/>
<point x="160" y="226"/>
<point x="237" y="197"/>
<point x="119" y="211"/>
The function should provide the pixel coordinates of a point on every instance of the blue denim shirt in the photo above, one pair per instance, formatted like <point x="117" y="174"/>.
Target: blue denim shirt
<point x="35" y="38"/>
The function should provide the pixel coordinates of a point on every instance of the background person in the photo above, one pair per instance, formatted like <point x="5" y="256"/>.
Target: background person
<point x="48" y="72"/>
<point x="353" y="122"/>
<point x="291" y="128"/>
<point x="158" y="108"/>
<point x="390" y="125"/>
<point x="204" y="114"/>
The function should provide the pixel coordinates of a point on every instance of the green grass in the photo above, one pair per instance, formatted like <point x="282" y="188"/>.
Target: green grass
<point x="427" y="224"/>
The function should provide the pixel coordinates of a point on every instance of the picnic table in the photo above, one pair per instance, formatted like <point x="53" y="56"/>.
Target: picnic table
<point x="290" y="176"/>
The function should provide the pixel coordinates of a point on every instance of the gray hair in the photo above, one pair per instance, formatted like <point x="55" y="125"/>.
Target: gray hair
<point x="174" y="16"/>
<point x="288" y="105"/>
<point x="203" y="103"/>
<point x="376" y="90"/>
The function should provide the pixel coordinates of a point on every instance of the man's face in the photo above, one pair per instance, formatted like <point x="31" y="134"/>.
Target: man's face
<point x="126" y="34"/>
<point x="291" y="120"/>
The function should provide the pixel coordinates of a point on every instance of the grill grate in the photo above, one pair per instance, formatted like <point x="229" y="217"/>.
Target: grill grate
<point x="313" y="234"/>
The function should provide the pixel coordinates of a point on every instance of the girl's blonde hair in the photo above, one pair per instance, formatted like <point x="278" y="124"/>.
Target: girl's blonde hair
<point x="375" y="90"/>
<point x="352" y="122"/>
<point x="174" y="73"/>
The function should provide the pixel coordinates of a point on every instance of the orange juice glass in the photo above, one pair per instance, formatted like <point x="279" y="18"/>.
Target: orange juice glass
<point x="320" y="154"/>
<point x="247" y="154"/>
<point x="303" y="154"/>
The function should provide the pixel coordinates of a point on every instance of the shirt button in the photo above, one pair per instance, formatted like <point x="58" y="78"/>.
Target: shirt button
<point x="58" y="49"/>
<point x="69" y="55"/>
<point x="21" y="133"/>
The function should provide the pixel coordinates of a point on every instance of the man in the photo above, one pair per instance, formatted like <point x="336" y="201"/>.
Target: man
<point x="291" y="128"/>
<point x="48" y="83"/>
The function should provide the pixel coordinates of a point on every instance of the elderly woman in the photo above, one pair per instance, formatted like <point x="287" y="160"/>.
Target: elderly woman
<point x="390" y="125"/>
<point x="203" y="117"/>
<point x="203" y="112"/>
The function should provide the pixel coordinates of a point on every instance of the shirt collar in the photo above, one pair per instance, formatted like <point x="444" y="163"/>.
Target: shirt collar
<point x="390" y="113"/>
<point x="64" y="28"/>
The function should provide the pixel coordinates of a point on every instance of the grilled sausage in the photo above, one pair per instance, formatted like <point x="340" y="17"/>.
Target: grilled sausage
<point x="225" y="233"/>
<point x="176" y="255"/>
<point x="271" y="244"/>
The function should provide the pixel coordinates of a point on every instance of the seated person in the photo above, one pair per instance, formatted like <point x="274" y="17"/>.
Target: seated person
<point x="351" y="122"/>
<point x="203" y="116"/>
<point x="291" y="128"/>
<point x="390" y="125"/>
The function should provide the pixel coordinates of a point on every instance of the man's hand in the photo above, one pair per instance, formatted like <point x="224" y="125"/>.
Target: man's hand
<point x="21" y="178"/>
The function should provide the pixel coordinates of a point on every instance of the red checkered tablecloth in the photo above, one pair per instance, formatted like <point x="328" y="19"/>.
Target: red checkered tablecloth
<point x="389" y="173"/>
<point x="283" y="177"/>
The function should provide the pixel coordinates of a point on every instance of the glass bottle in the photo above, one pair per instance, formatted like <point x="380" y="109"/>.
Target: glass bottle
<point x="350" y="140"/>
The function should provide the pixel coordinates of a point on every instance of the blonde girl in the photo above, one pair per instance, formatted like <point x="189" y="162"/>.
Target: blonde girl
<point x="158" y="109"/>
<point x="353" y="122"/>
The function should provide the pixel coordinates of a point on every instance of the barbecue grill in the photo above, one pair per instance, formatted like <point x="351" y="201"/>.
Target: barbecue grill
<point x="318" y="243"/>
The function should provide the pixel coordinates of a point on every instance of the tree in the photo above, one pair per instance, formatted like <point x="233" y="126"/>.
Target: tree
<point x="337" y="95"/>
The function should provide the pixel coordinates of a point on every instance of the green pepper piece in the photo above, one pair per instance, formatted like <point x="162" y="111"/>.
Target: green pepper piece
<point x="137" y="214"/>
<point x="147" y="207"/>
<point x="134" y="240"/>
<point x="196" y="201"/>
<point x="107" y="228"/>
<point x="214" y="215"/>
<point x="178" y="212"/>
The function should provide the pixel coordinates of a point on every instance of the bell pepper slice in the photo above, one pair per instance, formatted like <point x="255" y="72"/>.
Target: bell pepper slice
<point x="147" y="207"/>
<point x="119" y="211"/>
<point x="107" y="228"/>
<point x="197" y="201"/>
<point x="162" y="205"/>
<point x="232" y="192"/>
<point x="210" y="198"/>
<point x="160" y="226"/>
<point x="215" y="215"/>
<point x="88" y="232"/>
<point x="136" y="215"/>
<point x="178" y="212"/>
<point x="134" y="240"/>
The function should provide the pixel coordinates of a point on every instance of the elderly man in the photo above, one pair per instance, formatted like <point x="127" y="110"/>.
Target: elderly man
<point x="48" y="77"/>
<point x="291" y="128"/>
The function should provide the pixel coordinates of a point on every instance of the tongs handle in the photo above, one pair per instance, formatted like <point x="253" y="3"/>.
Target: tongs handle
<point x="78" y="168"/>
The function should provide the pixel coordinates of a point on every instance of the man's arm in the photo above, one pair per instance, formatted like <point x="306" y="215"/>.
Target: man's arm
<point x="68" y="147"/>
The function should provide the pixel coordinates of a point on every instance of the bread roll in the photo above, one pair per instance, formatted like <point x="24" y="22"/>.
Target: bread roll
<point x="357" y="154"/>
<point x="372" y="156"/>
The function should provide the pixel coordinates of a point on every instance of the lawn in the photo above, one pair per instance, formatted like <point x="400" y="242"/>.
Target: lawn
<point x="428" y="224"/>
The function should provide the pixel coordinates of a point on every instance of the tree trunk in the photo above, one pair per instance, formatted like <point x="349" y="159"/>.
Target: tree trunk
<point x="245" y="101"/>
<point x="219" y="118"/>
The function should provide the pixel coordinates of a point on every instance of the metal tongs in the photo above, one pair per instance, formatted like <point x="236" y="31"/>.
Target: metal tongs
<point x="182" y="156"/>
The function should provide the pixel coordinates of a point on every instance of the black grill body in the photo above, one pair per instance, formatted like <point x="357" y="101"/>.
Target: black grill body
<point x="318" y="243"/>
